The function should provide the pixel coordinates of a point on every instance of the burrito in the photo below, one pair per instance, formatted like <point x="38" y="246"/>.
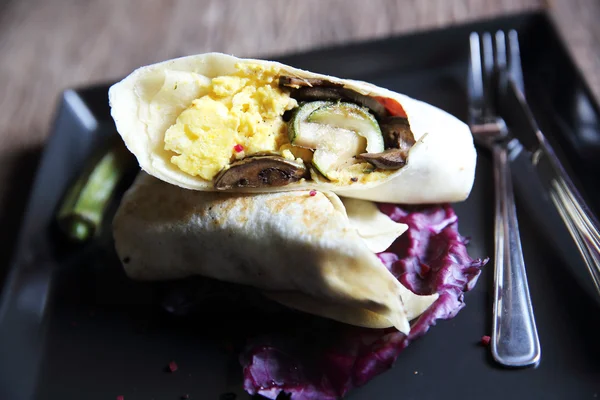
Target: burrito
<point x="300" y="247"/>
<point x="214" y="122"/>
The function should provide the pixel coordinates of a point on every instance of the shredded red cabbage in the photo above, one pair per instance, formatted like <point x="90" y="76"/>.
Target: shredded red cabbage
<point x="431" y="257"/>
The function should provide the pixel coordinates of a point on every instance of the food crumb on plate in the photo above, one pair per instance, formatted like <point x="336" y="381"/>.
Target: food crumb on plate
<point x="312" y="193"/>
<point x="173" y="366"/>
<point x="485" y="340"/>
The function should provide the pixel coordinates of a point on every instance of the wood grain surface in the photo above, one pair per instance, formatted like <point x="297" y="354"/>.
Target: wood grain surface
<point x="49" y="45"/>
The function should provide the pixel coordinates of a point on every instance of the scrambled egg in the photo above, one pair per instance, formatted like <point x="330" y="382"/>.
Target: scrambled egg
<point x="240" y="116"/>
<point x="362" y="172"/>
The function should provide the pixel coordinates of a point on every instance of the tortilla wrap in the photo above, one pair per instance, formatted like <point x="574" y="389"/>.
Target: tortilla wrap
<point x="440" y="166"/>
<point x="298" y="246"/>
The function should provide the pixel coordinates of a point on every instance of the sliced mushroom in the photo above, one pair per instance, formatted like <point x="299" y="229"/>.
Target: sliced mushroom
<point x="297" y="82"/>
<point x="388" y="159"/>
<point x="396" y="133"/>
<point x="312" y="89"/>
<point x="338" y="93"/>
<point x="261" y="171"/>
<point x="398" y="140"/>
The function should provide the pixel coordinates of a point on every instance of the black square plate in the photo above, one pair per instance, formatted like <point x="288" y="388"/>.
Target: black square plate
<point x="77" y="328"/>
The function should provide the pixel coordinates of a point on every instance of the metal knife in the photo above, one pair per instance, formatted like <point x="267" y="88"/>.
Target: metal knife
<point x="575" y="214"/>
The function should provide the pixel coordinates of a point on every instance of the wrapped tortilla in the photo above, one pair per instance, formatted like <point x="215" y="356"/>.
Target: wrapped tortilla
<point x="300" y="247"/>
<point x="214" y="122"/>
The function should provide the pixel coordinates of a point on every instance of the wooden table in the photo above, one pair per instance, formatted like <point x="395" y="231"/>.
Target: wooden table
<point x="49" y="45"/>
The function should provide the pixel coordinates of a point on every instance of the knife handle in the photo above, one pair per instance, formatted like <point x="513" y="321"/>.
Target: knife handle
<point x="577" y="217"/>
<point x="515" y="341"/>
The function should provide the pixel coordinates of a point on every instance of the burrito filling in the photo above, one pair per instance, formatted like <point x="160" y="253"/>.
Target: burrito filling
<point x="257" y="127"/>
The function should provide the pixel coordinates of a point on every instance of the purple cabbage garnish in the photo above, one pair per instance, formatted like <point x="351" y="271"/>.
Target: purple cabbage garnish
<point x="431" y="257"/>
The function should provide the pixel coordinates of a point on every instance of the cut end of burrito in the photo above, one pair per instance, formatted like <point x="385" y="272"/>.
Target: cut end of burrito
<point x="214" y="122"/>
<point x="301" y="246"/>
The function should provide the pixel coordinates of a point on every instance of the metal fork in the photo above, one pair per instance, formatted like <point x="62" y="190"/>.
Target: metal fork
<point x="515" y="341"/>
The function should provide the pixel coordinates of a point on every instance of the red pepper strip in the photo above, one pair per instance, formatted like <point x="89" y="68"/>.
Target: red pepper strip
<point x="392" y="106"/>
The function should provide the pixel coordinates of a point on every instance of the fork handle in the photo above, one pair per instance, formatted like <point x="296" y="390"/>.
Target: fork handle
<point x="515" y="341"/>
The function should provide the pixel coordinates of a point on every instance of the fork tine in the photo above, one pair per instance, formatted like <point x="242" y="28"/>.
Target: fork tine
<point x="488" y="73"/>
<point x="475" y="79"/>
<point x="500" y="50"/>
<point x="514" y="64"/>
